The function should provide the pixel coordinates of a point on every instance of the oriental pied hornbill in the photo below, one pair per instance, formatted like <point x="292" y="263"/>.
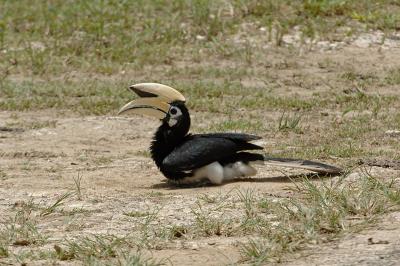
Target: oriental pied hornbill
<point x="188" y="158"/>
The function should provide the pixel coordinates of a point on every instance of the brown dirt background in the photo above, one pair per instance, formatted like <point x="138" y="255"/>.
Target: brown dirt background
<point x="40" y="165"/>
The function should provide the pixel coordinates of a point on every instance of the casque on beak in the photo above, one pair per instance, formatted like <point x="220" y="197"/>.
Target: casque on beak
<point x="155" y="100"/>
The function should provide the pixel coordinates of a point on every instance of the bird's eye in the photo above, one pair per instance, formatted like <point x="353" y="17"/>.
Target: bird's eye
<point x="175" y="112"/>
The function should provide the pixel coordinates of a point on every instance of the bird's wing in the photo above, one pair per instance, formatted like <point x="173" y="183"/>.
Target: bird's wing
<point x="200" y="150"/>
<point x="232" y="136"/>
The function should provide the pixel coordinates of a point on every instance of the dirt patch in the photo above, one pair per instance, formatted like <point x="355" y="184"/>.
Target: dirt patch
<point x="377" y="246"/>
<point x="118" y="191"/>
<point x="119" y="183"/>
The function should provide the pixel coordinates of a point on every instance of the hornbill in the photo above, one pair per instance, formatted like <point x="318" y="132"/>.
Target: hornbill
<point x="189" y="158"/>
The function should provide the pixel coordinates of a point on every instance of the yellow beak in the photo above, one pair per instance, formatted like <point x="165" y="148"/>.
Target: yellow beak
<point x="155" y="101"/>
<point x="147" y="106"/>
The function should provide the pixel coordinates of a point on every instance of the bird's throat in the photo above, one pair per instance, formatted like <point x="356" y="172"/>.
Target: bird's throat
<point x="164" y="142"/>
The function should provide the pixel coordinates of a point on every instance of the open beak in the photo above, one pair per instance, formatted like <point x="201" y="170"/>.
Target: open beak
<point x="155" y="100"/>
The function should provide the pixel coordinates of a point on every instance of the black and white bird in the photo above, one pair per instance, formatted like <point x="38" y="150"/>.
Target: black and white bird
<point x="189" y="158"/>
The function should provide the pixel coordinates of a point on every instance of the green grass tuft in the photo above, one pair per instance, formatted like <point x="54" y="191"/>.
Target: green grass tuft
<point x="322" y="211"/>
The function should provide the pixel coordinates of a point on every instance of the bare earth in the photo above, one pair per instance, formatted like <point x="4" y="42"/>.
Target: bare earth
<point x="118" y="177"/>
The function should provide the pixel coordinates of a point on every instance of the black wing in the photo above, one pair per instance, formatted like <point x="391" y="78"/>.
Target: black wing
<point x="238" y="137"/>
<point x="199" y="150"/>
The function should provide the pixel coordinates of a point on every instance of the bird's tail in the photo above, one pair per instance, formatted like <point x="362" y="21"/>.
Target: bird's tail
<point x="318" y="167"/>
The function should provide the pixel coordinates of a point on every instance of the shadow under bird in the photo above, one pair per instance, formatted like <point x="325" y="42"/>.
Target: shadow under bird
<point x="188" y="158"/>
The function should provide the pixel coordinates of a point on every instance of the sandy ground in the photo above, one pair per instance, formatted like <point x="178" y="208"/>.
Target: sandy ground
<point x="109" y="153"/>
<point x="114" y="181"/>
<point x="378" y="246"/>
<point x="40" y="165"/>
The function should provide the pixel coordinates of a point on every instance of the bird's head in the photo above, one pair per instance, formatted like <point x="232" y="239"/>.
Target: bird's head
<point x="159" y="101"/>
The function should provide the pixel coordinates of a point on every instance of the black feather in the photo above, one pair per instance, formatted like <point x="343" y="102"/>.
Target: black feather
<point x="303" y="164"/>
<point x="200" y="150"/>
<point x="232" y="136"/>
<point x="245" y="157"/>
<point x="178" y="154"/>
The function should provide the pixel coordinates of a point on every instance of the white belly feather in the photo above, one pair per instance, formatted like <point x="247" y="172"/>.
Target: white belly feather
<point x="217" y="173"/>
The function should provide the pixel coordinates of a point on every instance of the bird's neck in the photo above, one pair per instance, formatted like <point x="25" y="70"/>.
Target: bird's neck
<point x="164" y="142"/>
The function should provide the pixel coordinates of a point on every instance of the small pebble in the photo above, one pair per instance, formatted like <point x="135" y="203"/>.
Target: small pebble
<point x="194" y="246"/>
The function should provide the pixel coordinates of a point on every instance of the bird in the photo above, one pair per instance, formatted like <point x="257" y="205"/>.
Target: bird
<point x="187" y="158"/>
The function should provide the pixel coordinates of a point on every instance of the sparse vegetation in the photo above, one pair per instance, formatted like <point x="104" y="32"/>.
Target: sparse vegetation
<point x="393" y="77"/>
<point x="2" y="175"/>
<point x="287" y="122"/>
<point x="59" y="202"/>
<point x="78" y="186"/>
<point x="233" y="125"/>
<point x="279" y="69"/>
<point x="20" y="229"/>
<point x="104" y="37"/>
<point x="97" y="246"/>
<point x="321" y="213"/>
